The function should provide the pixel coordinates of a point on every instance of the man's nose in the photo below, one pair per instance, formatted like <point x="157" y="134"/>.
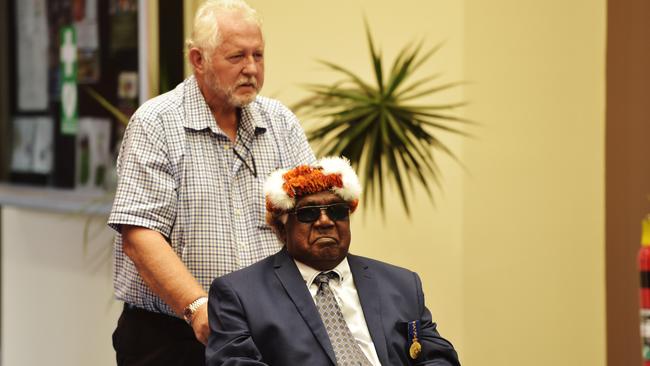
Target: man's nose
<point x="324" y="220"/>
<point x="250" y="67"/>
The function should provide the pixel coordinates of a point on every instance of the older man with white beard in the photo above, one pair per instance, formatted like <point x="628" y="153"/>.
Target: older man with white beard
<point x="189" y="205"/>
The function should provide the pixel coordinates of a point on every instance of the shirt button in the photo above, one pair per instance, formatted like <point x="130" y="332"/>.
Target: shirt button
<point x="226" y="147"/>
<point x="237" y="212"/>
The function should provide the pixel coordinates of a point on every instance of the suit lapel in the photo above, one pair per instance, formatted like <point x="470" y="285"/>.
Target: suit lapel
<point x="370" y="298"/>
<point x="291" y="279"/>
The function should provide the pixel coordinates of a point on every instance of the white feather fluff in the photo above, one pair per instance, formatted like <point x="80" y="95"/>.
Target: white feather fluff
<point x="274" y="192"/>
<point x="351" y="187"/>
<point x="330" y="165"/>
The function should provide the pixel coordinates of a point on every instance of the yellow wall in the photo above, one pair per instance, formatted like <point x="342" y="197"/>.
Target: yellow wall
<point x="512" y="255"/>
<point x="533" y="213"/>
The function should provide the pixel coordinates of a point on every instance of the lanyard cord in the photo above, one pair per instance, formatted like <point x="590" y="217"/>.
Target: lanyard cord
<point x="254" y="168"/>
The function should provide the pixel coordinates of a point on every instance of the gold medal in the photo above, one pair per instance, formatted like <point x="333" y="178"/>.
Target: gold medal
<point x="415" y="349"/>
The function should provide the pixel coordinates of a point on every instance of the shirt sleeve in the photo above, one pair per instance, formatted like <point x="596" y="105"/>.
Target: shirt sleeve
<point x="146" y="194"/>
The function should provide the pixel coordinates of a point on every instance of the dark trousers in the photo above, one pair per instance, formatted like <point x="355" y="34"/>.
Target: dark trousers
<point x="144" y="338"/>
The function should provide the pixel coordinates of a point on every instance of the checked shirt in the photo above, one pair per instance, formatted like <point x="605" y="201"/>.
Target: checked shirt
<point x="178" y="175"/>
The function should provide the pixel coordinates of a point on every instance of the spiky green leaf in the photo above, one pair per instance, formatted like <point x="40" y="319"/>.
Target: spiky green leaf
<point x="387" y="139"/>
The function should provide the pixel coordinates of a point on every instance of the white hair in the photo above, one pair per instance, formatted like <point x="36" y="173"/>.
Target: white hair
<point x="205" y="31"/>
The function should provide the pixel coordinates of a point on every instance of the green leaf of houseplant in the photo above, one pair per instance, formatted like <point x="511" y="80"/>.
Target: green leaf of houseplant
<point x="376" y="125"/>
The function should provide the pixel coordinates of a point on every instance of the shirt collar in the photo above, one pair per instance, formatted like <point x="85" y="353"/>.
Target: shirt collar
<point x="309" y="274"/>
<point x="251" y="118"/>
<point x="199" y="117"/>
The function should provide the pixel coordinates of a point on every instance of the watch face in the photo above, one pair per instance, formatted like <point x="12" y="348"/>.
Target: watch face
<point x="189" y="311"/>
<point x="188" y="314"/>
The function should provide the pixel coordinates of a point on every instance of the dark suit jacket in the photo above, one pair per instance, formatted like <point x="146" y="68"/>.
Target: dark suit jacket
<point x="265" y="315"/>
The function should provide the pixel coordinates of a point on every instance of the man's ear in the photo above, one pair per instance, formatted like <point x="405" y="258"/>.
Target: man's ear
<point x="282" y="232"/>
<point x="282" y="228"/>
<point x="196" y="59"/>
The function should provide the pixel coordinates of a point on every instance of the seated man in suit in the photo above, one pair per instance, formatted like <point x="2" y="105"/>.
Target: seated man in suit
<point x="313" y="303"/>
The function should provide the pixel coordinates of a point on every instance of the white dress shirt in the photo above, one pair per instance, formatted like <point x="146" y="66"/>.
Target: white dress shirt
<point x="348" y="300"/>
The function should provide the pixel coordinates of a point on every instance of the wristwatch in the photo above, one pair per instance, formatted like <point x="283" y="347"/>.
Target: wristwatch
<point x="188" y="312"/>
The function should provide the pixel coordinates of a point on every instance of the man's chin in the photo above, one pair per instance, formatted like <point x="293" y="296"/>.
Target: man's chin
<point x="243" y="100"/>
<point x="327" y="263"/>
<point x="331" y="253"/>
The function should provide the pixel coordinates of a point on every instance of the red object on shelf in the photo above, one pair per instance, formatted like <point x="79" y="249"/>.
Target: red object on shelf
<point x="644" y="270"/>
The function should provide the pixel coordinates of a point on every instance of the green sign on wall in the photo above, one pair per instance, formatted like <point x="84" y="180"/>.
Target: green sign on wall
<point x="68" y="80"/>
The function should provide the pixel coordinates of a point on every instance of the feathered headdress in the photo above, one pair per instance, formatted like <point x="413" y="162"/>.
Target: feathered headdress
<point x="334" y="174"/>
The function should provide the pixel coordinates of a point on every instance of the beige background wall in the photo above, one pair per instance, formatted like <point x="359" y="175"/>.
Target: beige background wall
<point x="533" y="214"/>
<point x="57" y="297"/>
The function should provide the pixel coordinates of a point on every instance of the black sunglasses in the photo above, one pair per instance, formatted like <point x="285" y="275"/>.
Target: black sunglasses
<point x="335" y="211"/>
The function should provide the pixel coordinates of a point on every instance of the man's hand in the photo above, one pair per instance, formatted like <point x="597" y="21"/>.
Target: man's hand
<point x="200" y="324"/>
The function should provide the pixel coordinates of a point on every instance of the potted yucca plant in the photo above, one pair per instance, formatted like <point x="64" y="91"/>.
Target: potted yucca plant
<point x="380" y="126"/>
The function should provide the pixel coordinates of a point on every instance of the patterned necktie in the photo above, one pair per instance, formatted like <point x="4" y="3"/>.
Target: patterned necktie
<point x="346" y="349"/>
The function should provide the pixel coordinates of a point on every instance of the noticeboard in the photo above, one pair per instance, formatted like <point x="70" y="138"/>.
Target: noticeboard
<point x="60" y="135"/>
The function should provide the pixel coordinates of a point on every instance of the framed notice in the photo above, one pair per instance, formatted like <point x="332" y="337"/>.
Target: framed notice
<point x="33" y="145"/>
<point x="93" y="153"/>
<point x="32" y="61"/>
